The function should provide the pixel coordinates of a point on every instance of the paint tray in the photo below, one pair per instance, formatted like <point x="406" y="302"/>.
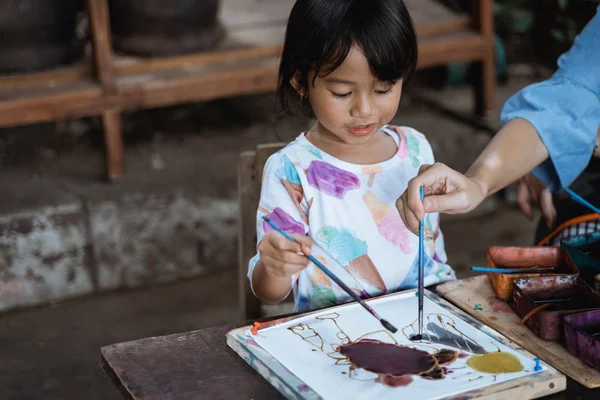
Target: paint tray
<point x="526" y="257"/>
<point x="584" y="250"/>
<point x="582" y="336"/>
<point x="547" y="299"/>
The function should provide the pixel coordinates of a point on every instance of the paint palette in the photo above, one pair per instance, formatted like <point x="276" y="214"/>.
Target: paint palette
<point x="545" y="301"/>
<point x="339" y="352"/>
<point x="585" y="252"/>
<point x="526" y="257"/>
<point x="582" y="336"/>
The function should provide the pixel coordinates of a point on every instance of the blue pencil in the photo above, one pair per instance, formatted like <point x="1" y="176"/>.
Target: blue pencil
<point x="582" y="201"/>
<point x="334" y="278"/>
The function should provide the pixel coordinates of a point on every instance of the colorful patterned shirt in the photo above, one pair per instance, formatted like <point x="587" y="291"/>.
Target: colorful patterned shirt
<point x="349" y="212"/>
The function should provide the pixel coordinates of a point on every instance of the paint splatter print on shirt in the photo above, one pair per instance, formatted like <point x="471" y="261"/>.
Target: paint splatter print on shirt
<point x="349" y="211"/>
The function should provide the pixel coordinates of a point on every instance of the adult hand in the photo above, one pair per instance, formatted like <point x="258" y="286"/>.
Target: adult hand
<point x="446" y="191"/>
<point x="282" y="258"/>
<point x="530" y="189"/>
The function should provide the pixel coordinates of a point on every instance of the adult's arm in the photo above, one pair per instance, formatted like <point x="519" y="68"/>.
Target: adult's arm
<point x="565" y="110"/>
<point x="550" y="127"/>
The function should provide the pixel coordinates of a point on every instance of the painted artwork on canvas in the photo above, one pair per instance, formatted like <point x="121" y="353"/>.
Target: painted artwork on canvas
<point x="343" y="352"/>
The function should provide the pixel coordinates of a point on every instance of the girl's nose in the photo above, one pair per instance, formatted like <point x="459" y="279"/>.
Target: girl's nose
<point x="361" y="107"/>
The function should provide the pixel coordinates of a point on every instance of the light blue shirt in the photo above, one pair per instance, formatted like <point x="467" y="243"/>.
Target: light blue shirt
<point x="565" y="109"/>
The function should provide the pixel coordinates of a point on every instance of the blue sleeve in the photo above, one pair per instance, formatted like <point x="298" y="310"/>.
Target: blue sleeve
<point x="565" y="109"/>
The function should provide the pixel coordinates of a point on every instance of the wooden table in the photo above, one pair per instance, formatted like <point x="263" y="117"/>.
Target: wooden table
<point x="199" y="365"/>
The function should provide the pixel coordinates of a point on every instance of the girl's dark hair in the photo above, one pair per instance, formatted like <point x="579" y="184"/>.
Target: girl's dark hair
<point x="320" y="34"/>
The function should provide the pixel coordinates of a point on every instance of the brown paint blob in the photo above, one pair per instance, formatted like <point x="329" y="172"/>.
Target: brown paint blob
<point x="495" y="363"/>
<point x="387" y="358"/>
<point x="435" y="374"/>
<point x="445" y="356"/>
<point x="396" y="364"/>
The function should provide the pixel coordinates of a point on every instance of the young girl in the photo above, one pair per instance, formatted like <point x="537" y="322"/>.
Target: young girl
<point x="334" y="187"/>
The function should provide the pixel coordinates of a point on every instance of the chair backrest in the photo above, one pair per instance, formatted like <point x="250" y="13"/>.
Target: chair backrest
<point x="250" y="170"/>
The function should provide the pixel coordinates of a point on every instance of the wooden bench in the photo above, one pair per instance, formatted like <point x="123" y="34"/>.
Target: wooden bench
<point x="105" y="84"/>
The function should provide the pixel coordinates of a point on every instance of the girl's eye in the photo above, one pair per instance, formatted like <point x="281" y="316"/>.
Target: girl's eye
<point x="383" y="91"/>
<point x="341" y="95"/>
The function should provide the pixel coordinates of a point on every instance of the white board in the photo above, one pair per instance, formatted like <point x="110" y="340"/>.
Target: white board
<point x="311" y="359"/>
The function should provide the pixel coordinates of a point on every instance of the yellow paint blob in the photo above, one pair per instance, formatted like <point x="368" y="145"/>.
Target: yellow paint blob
<point x="495" y="363"/>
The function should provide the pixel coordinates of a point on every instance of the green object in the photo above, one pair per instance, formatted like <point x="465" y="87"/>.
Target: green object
<point x="500" y="58"/>
<point x="458" y="73"/>
<point x="575" y="247"/>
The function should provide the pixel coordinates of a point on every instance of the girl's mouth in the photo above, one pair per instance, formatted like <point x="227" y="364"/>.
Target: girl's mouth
<point x="362" y="130"/>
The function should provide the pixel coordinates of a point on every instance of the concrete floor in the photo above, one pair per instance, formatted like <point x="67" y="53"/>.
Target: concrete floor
<point x="52" y="352"/>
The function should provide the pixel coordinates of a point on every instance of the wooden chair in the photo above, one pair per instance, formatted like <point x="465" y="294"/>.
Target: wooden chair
<point x="250" y="169"/>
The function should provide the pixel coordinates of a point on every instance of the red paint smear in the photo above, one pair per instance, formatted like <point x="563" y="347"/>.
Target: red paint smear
<point x="395" y="381"/>
<point x="498" y="305"/>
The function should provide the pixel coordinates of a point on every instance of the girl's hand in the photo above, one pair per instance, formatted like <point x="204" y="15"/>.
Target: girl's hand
<point x="446" y="191"/>
<point x="282" y="258"/>
<point x="530" y="188"/>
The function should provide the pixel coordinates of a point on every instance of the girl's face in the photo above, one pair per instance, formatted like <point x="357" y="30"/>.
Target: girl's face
<point x="351" y="105"/>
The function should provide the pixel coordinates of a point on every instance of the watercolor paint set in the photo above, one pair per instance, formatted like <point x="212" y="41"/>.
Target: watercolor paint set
<point x="556" y="296"/>
<point x="582" y="336"/>
<point x="555" y="260"/>
<point x="543" y="302"/>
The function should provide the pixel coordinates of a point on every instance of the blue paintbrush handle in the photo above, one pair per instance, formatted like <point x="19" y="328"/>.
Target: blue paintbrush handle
<point x="421" y="256"/>
<point x="582" y="201"/>
<point x="496" y="270"/>
<point x="512" y="270"/>
<point x="325" y="270"/>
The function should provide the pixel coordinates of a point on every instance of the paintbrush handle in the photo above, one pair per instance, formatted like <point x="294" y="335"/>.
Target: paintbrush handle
<point x="421" y="264"/>
<point x="582" y="201"/>
<point x="342" y="285"/>
<point x="511" y="270"/>
<point x="325" y="270"/>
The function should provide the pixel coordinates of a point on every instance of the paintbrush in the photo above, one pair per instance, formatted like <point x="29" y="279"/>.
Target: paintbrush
<point x="581" y="200"/>
<point x="334" y="278"/>
<point x="420" y="289"/>
<point x="513" y="270"/>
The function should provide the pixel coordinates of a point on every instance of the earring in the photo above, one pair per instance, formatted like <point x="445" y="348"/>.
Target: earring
<point x="302" y="96"/>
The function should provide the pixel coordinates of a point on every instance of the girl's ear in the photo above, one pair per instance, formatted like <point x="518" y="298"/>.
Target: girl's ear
<point x="296" y="83"/>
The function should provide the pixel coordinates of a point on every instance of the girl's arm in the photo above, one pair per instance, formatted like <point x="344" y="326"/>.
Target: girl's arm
<point x="275" y="267"/>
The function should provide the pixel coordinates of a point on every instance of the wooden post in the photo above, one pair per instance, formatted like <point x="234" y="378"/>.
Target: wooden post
<point x="105" y="72"/>
<point x="111" y="122"/>
<point x="485" y="84"/>
<point x="101" y="41"/>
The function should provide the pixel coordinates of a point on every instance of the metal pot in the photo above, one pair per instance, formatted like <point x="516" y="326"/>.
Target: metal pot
<point x="39" y="34"/>
<point x="164" y="27"/>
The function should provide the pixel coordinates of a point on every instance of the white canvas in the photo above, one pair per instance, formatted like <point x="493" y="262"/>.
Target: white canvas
<point x="320" y="372"/>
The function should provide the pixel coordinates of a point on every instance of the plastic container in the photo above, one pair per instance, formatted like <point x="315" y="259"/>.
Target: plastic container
<point x="582" y="336"/>
<point x="547" y="300"/>
<point x="526" y="257"/>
